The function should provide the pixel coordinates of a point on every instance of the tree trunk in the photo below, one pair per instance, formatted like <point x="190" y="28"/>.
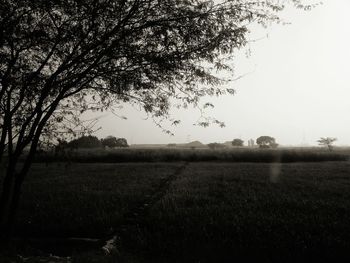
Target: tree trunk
<point x="7" y="189"/>
<point x="13" y="208"/>
<point x="6" y="201"/>
<point x="11" y="193"/>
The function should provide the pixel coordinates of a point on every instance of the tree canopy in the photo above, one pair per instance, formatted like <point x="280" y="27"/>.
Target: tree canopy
<point x="237" y="142"/>
<point x="122" y="142"/>
<point x="327" y="141"/>
<point x="266" y="142"/>
<point x="85" y="142"/>
<point x="59" y="58"/>
<point x="109" y="141"/>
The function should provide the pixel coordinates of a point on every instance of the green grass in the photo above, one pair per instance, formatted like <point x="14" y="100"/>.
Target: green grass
<point x="211" y="212"/>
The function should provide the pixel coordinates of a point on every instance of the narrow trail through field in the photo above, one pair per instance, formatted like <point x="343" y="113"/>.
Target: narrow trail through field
<point x="138" y="213"/>
<point x="135" y="218"/>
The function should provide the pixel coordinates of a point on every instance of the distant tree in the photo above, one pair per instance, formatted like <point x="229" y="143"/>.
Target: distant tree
<point x="237" y="143"/>
<point x="85" y="142"/>
<point x="171" y="145"/>
<point x="109" y="141"/>
<point x="327" y="141"/>
<point x="121" y="142"/>
<point x="61" y="146"/>
<point x="216" y="145"/>
<point x="266" y="142"/>
<point x="63" y="152"/>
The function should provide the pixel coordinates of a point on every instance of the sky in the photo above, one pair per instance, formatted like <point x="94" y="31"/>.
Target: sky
<point x="296" y="88"/>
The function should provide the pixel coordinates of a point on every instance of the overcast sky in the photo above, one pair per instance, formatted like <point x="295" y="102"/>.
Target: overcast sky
<point x="297" y="89"/>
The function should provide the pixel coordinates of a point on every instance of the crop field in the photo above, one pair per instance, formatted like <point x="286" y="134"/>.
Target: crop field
<point x="120" y="155"/>
<point x="183" y="211"/>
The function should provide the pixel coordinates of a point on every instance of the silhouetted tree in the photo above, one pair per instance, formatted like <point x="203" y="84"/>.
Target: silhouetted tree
<point x="61" y="58"/>
<point x="61" y="146"/>
<point x="237" y="143"/>
<point x="109" y="141"/>
<point x="327" y="141"/>
<point x="266" y="142"/>
<point x="121" y="142"/>
<point x="85" y="142"/>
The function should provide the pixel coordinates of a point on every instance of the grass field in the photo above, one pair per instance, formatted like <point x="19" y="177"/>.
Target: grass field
<point x="195" y="211"/>
<point x="120" y="155"/>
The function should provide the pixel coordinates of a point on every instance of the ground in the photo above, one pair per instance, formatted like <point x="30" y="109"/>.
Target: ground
<point x="189" y="211"/>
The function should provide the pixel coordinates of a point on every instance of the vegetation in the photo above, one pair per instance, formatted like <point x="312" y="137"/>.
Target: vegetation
<point x="89" y="142"/>
<point x="85" y="142"/>
<point x="109" y="141"/>
<point x="84" y="196"/>
<point x="210" y="212"/>
<point x="216" y="145"/>
<point x="112" y="142"/>
<point x="121" y="142"/>
<point x="327" y="141"/>
<point x="198" y="155"/>
<point x="233" y="212"/>
<point x="59" y="59"/>
<point x="266" y="142"/>
<point x="237" y="143"/>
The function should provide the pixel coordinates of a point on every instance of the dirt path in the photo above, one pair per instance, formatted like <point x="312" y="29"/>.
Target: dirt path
<point x="137" y="214"/>
<point x="135" y="218"/>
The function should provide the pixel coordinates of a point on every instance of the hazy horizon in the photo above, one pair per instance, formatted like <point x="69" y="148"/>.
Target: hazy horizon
<point x="296" y="89"/>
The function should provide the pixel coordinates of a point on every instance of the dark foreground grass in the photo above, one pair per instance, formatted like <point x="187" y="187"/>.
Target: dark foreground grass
<point x="84" y="200"/>
<point x="211" y="212"/>
<point x="197" y="155"/>
<point x="261" y="212"/>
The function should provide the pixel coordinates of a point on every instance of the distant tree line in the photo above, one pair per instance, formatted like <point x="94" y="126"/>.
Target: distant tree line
<point x="89" y="142"/>
<point x="262" y="142"/>
<point x="216" y="145"/>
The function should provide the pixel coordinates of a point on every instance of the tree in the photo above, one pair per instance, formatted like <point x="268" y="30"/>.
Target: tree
<point x="109" y="141"/>
<point x="216" y="145"/>
<point x="237" y="143"/>
<point x="60" y="58"/>
<point x="327" y="141"/>
<point x="266" y="142"/>
<point x="61" y="147"/>
<point x="121" y="142"/>
<point x="85" y="142"/>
